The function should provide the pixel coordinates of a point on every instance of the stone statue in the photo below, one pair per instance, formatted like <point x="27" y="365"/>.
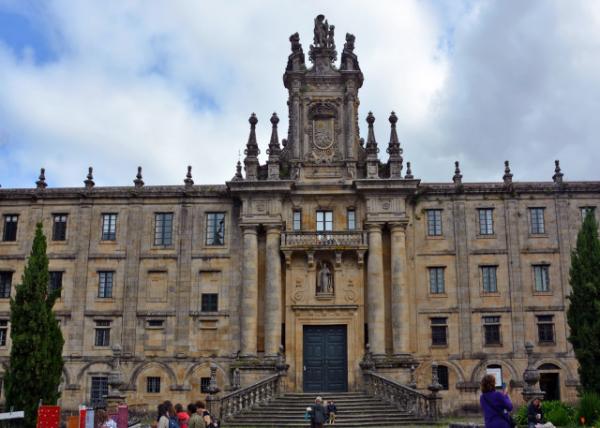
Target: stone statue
<point x="321" y="31"/>
<point x="331" y="37"/>
<point x="325" y="283"/>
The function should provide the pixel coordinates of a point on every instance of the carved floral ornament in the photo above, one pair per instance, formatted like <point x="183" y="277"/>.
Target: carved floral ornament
<point x="323" y="120"/>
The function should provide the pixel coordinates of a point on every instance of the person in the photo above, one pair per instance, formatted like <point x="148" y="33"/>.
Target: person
<point x="204" y="414"/>
<point x="103" y="421"/>
<point x="535" y="415"/>
<point x="195" y="420"/>
<point x="308" y="415"/>
<point x="163" y="416"/>
<point x="331" y="411"/>
<point x="182" y="417"/>
<point x="495" y="404"/>
<point x="318" y="414"/>
<point x="171" y="415"/>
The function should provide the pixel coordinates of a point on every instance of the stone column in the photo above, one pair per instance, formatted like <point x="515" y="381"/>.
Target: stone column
<point x="375" y="295"/>
<point x="249" y="303"/>
<point x="400" y="298"/>
<point x="273" y="292"/>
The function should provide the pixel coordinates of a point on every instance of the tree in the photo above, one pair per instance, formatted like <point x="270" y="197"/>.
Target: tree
<point x="36" y="360"/>
<point x="583" y="314"/>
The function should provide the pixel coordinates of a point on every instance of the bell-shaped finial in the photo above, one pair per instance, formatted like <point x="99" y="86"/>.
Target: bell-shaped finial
<point x="371" y="146"/>
<point x="238" y="172"/>
<point x="41" y="182"/>
<point x="558" y="175"/>
<point x="507" y="177"/>
<point x="274" y="148"/>
<point x="188" y="181"/>
<point x="409" y="174"/>
<point x="394" y="149"/>
<point x="252" y="146"/>
<point x="457" y="178"/>
<point x="138" y="182"/>
<point x="89" y="179"/>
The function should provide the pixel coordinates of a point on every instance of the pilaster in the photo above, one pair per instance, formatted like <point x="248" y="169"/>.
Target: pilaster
<point x="273" y="292"/>
<point x="400" y="292"/>
<point x="514" y="271"/>
<point x="249" y="303"/>
<point x="375" y="292"/>
<point x="463" y="293"/>
<point x="184" y="280"/>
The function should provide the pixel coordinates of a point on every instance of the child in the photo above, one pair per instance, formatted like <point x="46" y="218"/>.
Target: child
<point x="331" y="410"/>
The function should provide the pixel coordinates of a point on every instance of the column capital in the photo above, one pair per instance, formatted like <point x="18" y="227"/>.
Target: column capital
<point x="249" y="228"/>
<point x="374" y="227"/>
<point x="273" y="228"/>
<point x="398" y="226"/>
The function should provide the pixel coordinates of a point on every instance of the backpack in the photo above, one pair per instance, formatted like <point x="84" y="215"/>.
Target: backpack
<point x="214" y="422"/>
<point x="173" y="423"/>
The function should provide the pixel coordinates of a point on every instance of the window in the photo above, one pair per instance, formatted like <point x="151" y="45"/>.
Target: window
<point x="541" y="278"/>
<point x="59" y="227"/>
<point x="439" y="331"/>
<point x="486" y="221"/>
<point x="434" y="222"/>
<point x="3" y="332"/>
<point x="99" y="391"/>
<point x="488" y="279"/>
<point x="210" y="302"/>
<point x="436" y="280"/>
<point x="536" y="221"/>
<point x="105" y="284"/>
<point x="204" y="384"/>
<point x="215" y="228"/>
<point x="5" y="284"/>
<point x="324" y="221"/>
<point x="297" y="220"/>
<point x="153" y="384"/>
<point x="102" y="333"/>
<point x="55" y="283"/>
<point x="545" y="324"/>
<point x="351" y="219"/>
<point x="155" y="323"/>
<point x="163" y="229"/>
<point x="491" y="328"/>
<point x="586" y="210"/>
<point x="109" y="227"/>
<point x="442" y="372"/>
<point x="10" y="227"/>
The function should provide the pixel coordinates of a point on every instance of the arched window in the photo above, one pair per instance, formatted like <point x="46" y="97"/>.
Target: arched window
<point x="442" y="372"/>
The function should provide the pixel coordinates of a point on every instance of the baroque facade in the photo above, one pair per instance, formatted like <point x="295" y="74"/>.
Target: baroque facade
<point x="324" y="254"/>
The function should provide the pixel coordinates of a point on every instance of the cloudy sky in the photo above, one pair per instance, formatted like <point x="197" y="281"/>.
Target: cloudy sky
<point x="163" y="84"/>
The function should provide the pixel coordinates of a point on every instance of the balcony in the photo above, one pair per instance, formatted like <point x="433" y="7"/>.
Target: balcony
<point x="339" y="240"/>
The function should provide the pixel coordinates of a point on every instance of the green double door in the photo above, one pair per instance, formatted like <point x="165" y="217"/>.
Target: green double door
<point x="325" y="358"/>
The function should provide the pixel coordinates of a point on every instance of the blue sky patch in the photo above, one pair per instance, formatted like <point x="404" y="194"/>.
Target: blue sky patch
<point x="21" y="34"/>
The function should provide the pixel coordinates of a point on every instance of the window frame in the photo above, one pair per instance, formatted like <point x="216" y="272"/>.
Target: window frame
<point x="211" y="219"/>
<point x="489" y="322"/>
<point x="208" y="301"/>
<point x="10" y="227"/>
<point x="3" y="332"/>
<point x="435" y="226"/>
<point x="325" y="223"/>
<point x="544" y="270"/>
<point x="52" y="279"/>
<point x="584" y="210"/>
<point x="153" y="384"/>
<point x="443" y="380"/>
<point x="351" y="219"/>
<point x="204" y="384"/>
<point x="59" y="226"/>
<point x="108" y="230"/>
<point x="439" y="324"/>
<point x="434" y="280"/>
<point x="486" y="228"/>
<point x="161" y="232"/>
<point x="102" y="286"/>
<point x="102" y="333"/>
<point x="537" y="222"/>
<point x="297" y="220"/>
<point x="492" y="273"/>
<point x="6" y="285"/>
<point x="548" y="321"/>
<point x="102" y="390"/>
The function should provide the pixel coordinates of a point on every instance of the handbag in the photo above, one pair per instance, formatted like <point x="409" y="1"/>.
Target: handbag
<point x="506" y="416"/>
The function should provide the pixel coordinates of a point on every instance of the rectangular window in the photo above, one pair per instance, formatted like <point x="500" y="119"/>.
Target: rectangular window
<point x="102" y="333"/>
<point x="442" y="372"/>
<point x="324" y="221"/>
<point x="486" y="221"/>
<point x="351" y="219"/>
<point x="5" y="284"/>
<point x="536" y="221"/>
<point x="109" y="227"/>
<point x="545" y="324"/>
<point x="297" y="220"/>
<point x="436" y="280"/>
<point x="215" y="229"/>
<point x="204" y="384"/>
<point x="55" y="283"/>
<point x="434" y="222"/>
<point x="210" y="302"/>
<point x="488" y="279"/>
<point x="586" y="210"/>
<point x="105" y="284"/>
<point x="541" y="275"/>
<point x="439" y="331"/>
<point x="163" y="229"/>
<point x="3" y="332"/>
<point x="10" y="227"/>
<point x="155" y="323"/>
<point x="59" y="227"/>
<point x="99" y="391"/>
<point x="153" y="384"/>
<point x="491" y="329"/>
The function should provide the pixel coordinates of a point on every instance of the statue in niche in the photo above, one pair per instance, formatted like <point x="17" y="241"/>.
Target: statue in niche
<point x="324" y="279"/>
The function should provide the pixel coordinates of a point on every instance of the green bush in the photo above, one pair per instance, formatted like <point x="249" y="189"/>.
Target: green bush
<point x="520" y="415"/>
<point x="589" y="408"/>
<point x="559" y="413"/>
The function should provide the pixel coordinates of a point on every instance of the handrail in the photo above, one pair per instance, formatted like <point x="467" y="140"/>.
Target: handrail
<point x="338" y="238"/>
<point x="257" y="394"/>
<point x="403" y="397"/>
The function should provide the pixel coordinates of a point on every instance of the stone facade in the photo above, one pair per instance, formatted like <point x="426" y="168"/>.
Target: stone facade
<point x="324" y="233"/>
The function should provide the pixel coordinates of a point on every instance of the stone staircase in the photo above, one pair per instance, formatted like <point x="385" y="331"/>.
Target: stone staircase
<point x="355" y="409"/>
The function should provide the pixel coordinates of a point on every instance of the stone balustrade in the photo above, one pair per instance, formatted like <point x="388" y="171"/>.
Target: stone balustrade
<point x="257" y="394"/>
<point x="330" y="239"/>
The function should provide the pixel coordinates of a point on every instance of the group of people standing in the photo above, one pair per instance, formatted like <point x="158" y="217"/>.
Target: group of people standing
<point x="194" y="416"/>
<point x="497" y="406"/>
<point x="321" y="412"/>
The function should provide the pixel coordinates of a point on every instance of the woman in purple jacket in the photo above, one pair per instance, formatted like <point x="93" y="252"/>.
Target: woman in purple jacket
<point x="495" y="404"/>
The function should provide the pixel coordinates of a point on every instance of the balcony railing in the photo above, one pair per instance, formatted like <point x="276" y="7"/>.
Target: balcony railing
<point x="337" y="239"/>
